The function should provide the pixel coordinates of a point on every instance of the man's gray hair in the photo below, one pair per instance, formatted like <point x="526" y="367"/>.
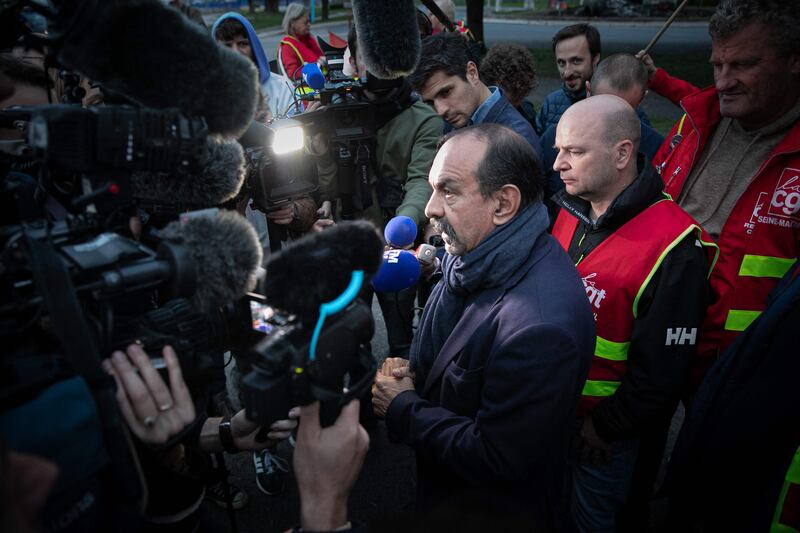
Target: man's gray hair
<point x="293" y="12"/>
<point x="782" y="18"/>
<point x="620" y="72"/>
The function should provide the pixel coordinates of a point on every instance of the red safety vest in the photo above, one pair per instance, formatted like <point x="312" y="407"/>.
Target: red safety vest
<point x="304" y="53"/>
<point x="615" y="274"/>
<point x="761" y="238"/>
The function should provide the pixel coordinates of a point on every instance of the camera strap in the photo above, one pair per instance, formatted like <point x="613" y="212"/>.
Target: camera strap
<point x="57" y="291"/>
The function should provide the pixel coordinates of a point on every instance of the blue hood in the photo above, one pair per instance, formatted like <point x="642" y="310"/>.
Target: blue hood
<point x="255" y="43"/>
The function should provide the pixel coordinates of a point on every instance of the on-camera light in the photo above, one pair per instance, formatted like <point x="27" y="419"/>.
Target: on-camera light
<point x="288" y="138"/>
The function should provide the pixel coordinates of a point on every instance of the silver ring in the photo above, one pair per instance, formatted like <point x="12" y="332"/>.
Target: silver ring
<point x="149" y="421"/>
<point x="165" y="407"/>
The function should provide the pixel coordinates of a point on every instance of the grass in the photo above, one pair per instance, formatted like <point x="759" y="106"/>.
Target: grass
<point x="262" y="20"/>
<point x="690" y="66"/>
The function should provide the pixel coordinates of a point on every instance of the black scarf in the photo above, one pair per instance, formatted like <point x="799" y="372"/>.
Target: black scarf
<point x="491" y="264"/>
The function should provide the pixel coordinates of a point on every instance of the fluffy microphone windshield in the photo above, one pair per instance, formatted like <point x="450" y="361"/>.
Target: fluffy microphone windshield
<point x="388" y="37"/>
<point x="153" y="54"/>
<point x="225" y="251"/>
<point x="218" y="179"/>
<point x="316" y="269"/>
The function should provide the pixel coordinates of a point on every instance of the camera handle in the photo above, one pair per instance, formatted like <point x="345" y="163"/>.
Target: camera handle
<point x="353" y="162"/>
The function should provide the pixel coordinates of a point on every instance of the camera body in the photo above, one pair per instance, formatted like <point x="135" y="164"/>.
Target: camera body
<point x="284" y="374"/>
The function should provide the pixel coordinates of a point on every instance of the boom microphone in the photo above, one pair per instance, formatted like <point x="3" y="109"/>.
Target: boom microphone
<point x="219" y="179"/>
<point x="388" y="37"/>
<point x="153" y="54"/>
<point x="225" y="251"/>
<point x="317" y="268"/>
<point x="399" y="270"/>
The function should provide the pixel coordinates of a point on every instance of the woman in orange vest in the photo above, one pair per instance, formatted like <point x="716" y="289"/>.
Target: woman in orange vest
<point x="298" y="46"/>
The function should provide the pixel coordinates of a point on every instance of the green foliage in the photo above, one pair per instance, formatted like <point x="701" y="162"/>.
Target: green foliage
<point x="690" y="66"/>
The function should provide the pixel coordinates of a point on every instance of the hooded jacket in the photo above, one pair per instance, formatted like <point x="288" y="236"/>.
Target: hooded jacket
<point x="275" y="87"/>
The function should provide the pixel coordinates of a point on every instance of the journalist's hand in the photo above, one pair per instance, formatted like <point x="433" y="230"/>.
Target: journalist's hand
<point x="244" y="431"/>
<point x="284" y="216"/>
<point x="153" y="411"/>
<point x="322" y="224"/>
<point x="326" y="463"/>
<point x="325" y="210"/>
<point x="386" y="387"/>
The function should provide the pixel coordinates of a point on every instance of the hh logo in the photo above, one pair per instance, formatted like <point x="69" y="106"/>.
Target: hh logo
<point x="786" y="198"/>
<point x="594" y="293"/>
<point x="681" y="336"/>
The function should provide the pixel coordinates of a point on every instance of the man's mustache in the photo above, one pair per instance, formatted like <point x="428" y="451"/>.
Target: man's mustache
<point x="443" y="226"/>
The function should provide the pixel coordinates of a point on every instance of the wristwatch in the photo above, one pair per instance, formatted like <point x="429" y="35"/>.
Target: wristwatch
<point x="226" y="435"/>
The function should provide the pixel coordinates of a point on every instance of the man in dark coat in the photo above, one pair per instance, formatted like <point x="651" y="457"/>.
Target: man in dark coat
<point x="447" y="78"/>
<point x="503" y="347"/>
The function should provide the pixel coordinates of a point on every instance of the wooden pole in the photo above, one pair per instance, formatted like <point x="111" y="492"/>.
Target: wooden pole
<point x="666" y="25"/>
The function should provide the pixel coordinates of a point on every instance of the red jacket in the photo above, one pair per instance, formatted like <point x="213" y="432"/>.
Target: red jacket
<point x="297" y="51"/>
<point x="761" y="238"/>
<point x="671" y="88"/>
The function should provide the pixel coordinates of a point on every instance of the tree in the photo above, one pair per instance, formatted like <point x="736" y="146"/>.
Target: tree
<point x="251" y="7"/>
<point x="325" y="4"/>
<point x="271" y="6"/>
<point x="475" y="18"/>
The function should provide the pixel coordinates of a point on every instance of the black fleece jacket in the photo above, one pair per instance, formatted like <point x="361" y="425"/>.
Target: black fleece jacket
<point x="676" y="297"/>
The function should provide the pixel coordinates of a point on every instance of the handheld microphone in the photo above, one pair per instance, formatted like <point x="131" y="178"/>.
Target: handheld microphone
<point x="399" y="270"/>
<point x="317" y="268"/>
<point x="153" y="54"/>
<point x="225" y="252"/>
<point x="313" y="77"/>
<point x="388" y="37"/>
<point x="400" y="232"/>
<point x="219" y="179"/>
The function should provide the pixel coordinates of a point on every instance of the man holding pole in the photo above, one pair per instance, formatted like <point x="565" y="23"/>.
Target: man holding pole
<point x="733" y="161"/>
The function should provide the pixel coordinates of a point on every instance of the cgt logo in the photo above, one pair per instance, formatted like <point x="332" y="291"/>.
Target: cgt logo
<point x="786" y="198"/>
<point x="594" y="293"/>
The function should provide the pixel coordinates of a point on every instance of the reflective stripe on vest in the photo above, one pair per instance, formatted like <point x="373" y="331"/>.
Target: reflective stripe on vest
<point x="600" y="388"/>
<point x="764" y="266"/>
<point x="787" y="512"/>
<point x="756" y="266"/>
<point x="612" y="351"/>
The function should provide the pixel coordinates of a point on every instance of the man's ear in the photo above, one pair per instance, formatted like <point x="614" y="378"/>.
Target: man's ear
<point x="506" y="204"/>
<point x="595" y="61"/>
<point x="472" y="73"/>
<point x="623" y="152"/>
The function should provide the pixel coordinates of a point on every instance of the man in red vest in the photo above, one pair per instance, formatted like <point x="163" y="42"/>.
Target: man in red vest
<point x="644" y="264"/>
<point x="733" y="161"/>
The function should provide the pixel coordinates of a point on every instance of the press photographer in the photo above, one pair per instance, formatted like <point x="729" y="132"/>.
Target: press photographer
<point x="396" y="178"/>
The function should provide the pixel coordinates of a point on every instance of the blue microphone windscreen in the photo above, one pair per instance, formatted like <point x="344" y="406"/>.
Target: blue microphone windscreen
<point x="399" y="270"/>
<point x="313" y="77"/>
<point x="400" y="232"/>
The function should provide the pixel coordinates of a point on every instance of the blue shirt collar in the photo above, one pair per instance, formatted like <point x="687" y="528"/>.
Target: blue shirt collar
<point x="480" y="114"/>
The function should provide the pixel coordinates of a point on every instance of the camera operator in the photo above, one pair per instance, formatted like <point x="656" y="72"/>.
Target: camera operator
<point x="326" y="461"/>
<point x="158" y="414"/>
<point x="406" y="135"/>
